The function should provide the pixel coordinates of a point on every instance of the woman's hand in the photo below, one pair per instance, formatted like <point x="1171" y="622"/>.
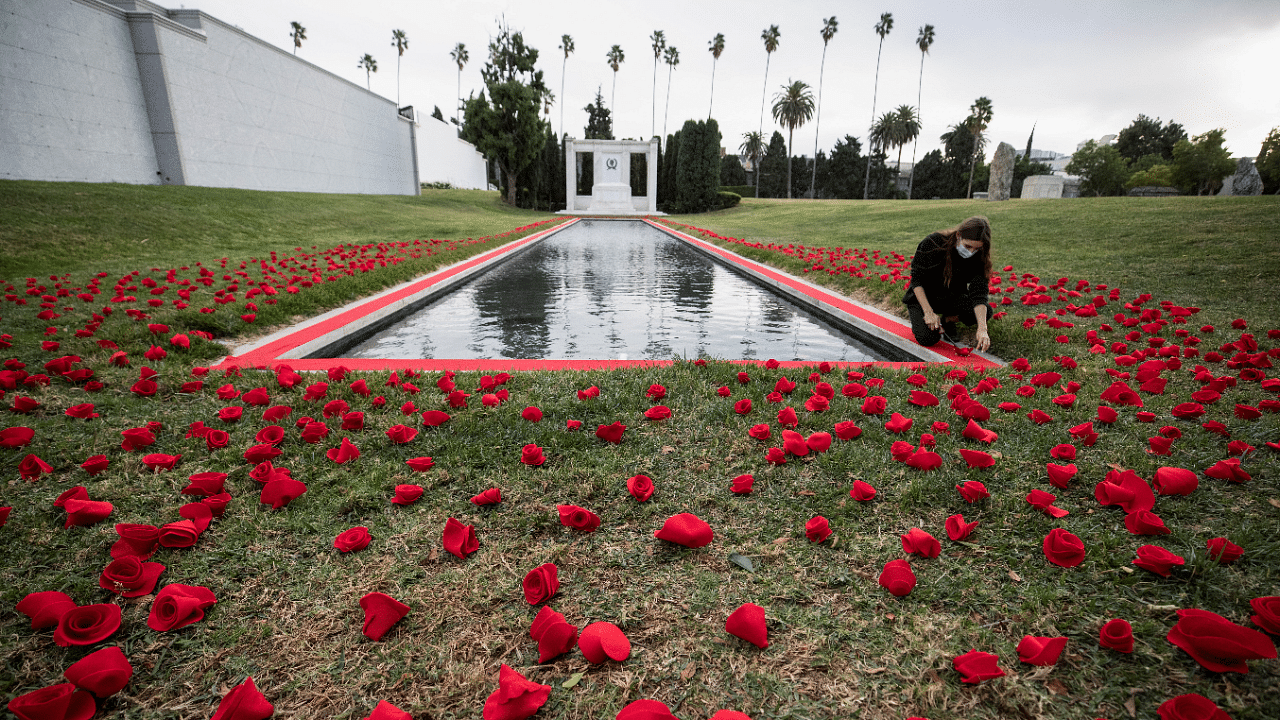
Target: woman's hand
<point x="931" y="320"/>
<point x="982" y="341"/>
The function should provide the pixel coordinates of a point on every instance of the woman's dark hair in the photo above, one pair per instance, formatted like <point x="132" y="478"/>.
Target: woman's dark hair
<point x="974" y="228"/>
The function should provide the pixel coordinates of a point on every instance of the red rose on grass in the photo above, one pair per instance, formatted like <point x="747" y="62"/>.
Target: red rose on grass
<point x="18" y="436"/>
<point x="420" y="464"/>
<point x="1228" y="470"/>
<point x="281" y="491"/>
<point x="874" y="405"/>
<point x="611" y="433"/>
<point x="555" y="636"/>
<point x="760" y="432"/>
<point x="1117" y="635"/>
<point x="460" y="540"/>
<point x="656" y="392"/>
<point x="742" y="484"/>
<point x="244" y="702"/>
<point x="1224" y="551"/>
<point x="32" y="467"/>
<point x="1063" y="548"/>
<point x="540" y="584"/>
<point x="578" y="518"/>
<point x="386" y="711"/>
<point x="87" y="625"/>
<point x="1043" y="501"/>
<point x="975" y="666"/>
<point x="356" y="538"/>
<point x="897" y="578"/>
<point x="977" y="458"/>
<point x="407" y="494"/>
<point x="974" y="431"/>
<point x="854" y="390"/>
<point x="103" y="673"/>
<point x="958" y="529"/>
<point x="743" y="406"/>
<point x="898" y="424"/>
<point x="640" y="487"/>
<point x="572" y="425"/>
<point x="685" y="529"/>
<point x="747" y="622"/>
<point x="516" y="697"/>
<point x="590" y="392"/>
<point x="658" y="412"/>
<point x="1042" y="651"/>
<point x="919" y="542"/>
<point x="818" y="529"/>
<point x="57" y="702"/>
<point x="1145" y="522"/>
<point x="1218" y="644"/>
<point x="784" y="386"/>
<point x="602" y="641"/>
<point x="847" y="430"/>
<point x="381" y="611"/>
<point x="787" y="417"/>
<point x="139" y="541"/>
<point x="924" y="460"/>
<point x="344" y="453"/>
<point x="401" y="434"/>
<point x="1060" y="475"/>
<point x="1175" y="481"/>
<point x="531" y="454"/>
<point x="1191" y="706"/>
<point x="532" y="414"/>
<point x="492" y="496"/>
<point x="862" y="492"/>
<point x="230" y="413"/>
<point x="276" y="413"/>
<point x="130" y="577"/>
<point x="972" y="491"/>
<point x="1268" y="617"/>
<point x="82" y="512"/>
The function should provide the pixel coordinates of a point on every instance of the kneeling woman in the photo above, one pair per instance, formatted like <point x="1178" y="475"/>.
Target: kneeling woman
<point x="949" y="277"/>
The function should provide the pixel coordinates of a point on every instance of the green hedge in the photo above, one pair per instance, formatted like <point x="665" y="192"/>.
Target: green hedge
<point x="741" y="190"/>
<point x="728" y="199"/>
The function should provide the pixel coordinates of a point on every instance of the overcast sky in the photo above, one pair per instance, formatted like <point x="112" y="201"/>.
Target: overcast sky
<point x="1076" y="70"/>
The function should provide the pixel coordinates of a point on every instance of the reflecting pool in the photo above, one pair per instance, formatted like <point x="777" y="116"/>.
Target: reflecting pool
<point x="612" y="290"/>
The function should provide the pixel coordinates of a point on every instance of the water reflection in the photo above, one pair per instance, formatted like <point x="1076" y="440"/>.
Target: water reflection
<point x="603" y="290"/>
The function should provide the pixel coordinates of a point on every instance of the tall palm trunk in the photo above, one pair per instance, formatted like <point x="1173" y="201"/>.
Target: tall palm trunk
<point x="613" y="95"/>
<point x="653" y="100"/>
<point x="713" y="89"/>
<point x="817" y="121"/>
<point x="397" y="81"/>
<point x="791" y="136"/>
<point x="763" y="93"/>
<point x="562" y="66"/>
<point x="911" y="184"/>
<point x="667" y="109"/>
<point x="866" y="183"/>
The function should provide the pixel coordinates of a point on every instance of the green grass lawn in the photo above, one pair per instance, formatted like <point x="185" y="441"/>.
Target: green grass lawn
<point x="288" y="613"/>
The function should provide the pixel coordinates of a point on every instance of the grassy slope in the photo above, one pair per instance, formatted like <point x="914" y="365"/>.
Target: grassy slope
<point x="841" y="646"/>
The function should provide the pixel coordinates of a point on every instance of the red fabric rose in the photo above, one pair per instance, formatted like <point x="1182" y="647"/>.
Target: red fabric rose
<point x="95" y="464"/>
<point x="1224" y="551"/>
<point x="656" y="392"/>
<point x="898" y="424"/>
<point x="532" y="414"/>
<point x="261" y="453"/>
<point x="1268" y="617"/>
<point x="1042" y="651"/>
<point x="743" y="406"/>
<point x="244" y="702"/>
<point x="589" y="393"/>
<point x="919" y="542"/>
<point x="386" y="711"/>
<point x="784" y="386"/>
<point x="760" y="432"/>
<point x="32" y="467"/>
<point x="1191" y="706"/>
<point x="1043" y="501"/>
<point x="1117" y="635"/>
<point x="82" y="512"/>
<point x="1060" y="475"/>
<point x="103" y="673"/>
<point x="977" y="458"/>
<point x="356" y="538"/>
<point x="958" y="529"/>
<point x="138" y="541"/>
<point x="281" y="491"/>
<point x="974" y="431"/>
<point x="492" y="496"/>
<point x="787" y="417"/>
<point x="847" y="430"/>
<point x="460" y="540"/>
<point x="1062" y="548"/>
<point x="532" y="455"/>
<point x="640" y="487"/>
<point x="516" y="697"/>
<point x="775" y="456"/>
<point x="793" y="442"/>
<point x="747" y="622"/>
<point x="742" y="484"/>
<point x="819" y="442"/>
<point x="344" y="453"/>
<point x="401" y="434"/>
<point x="407" y="494"/>
<point x="925" y="460"/>
<point x="817" y="529"/>
<point x="1125" y="489"/>
<point x="658" y="412"/>
<point x="160" y="461"/>
<point x="897" y="578"/>
<point x="874" y="405"/>
<point x="1157" y="560"/>
<point x="862" y="492"/>
<point x="177" y="606"/>
<point x="276" y="413"/>
<point x="420" y="464"/>
<point x="611" y="433"/>
<point x="578" y="518"/>
<point x="541" y="583"/>
<point x="555" y="636"/>
<point x="19" y="436"/>
<point x="1215" y="642"/>
<point x="56" y="702"/>
<point x="130" y="577"/>
<point x="45" y="608"/>
<point x="975" y="666"/>
<point x="1145" y="522"/>
<point x="685" y="529"/>
<point x="972" y="491"/>
<point x="1228" y="470"/>
<point x="87" y="625"/>
<point x="602" y="641"/>
<point x="381" y="611"/>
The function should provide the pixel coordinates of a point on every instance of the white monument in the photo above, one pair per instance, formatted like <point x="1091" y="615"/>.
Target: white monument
<point x="1043" y="186"/>
<point x="611" y="163"/>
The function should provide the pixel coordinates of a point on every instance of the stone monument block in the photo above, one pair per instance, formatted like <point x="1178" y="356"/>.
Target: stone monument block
<point x="1246" y="180"/>
<point x="1043" y="186"/>
<point x="1002" y="172"/>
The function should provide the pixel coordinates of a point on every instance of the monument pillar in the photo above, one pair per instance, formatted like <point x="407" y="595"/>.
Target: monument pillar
<point x="611" y="166"/>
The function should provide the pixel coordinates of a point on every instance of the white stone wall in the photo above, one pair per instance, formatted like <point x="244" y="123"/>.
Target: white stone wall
<point x="246" y="113"/>
<point x="71" y="106"/>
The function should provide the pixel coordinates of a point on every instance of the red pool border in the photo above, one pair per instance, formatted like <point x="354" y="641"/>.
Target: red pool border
<point x="268" y="355"/>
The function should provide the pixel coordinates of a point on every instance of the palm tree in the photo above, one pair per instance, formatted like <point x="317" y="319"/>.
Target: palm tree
<point x="923" y="42"/>
<point x="548" y="99"/>
<point x="716" y="47"/>
<point x="672" y="58"/>
<point x="659" y="40"/>
<point x="615" y="56"/>
<point x="566" y="44"/>
<point x="770" y="38"/>
<point x="980" y="114"/>
<point x="299" y="34"/>
<point x="882" y="135"/>
<point x="752" y="147"/>
<point x="906" y="129"/>
<point x="369" y="65"/>
<point x="400" y="42"/>
<point x="792" y="107"/>
<point x="828" y="32"/>
<point x="882" y="29"/>
<point x="460" y="57"/>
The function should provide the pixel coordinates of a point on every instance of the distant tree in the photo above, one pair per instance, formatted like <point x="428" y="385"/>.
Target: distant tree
<point x="1030" y="137"/>
<point x="906" y="127"/>
<point x="658" y="40"/>
<point x="298" y="34"/>
<point x="672" y="58"/>
<point x="929" y="176"/>
<point x="1199" y="165"/>
<point x="400" y="42"/>
<point x="881" y="137"/>
<point x="504" y="126"/>
<point x="698" y="166"/>
<point x="731" y="170"/>
<point x="959" y="147"/>
<point x="1155" y="176"/>
<point x="829" y="28"/>
<point x="1268" y="162"/>
<point x="566" y="46"/>
<point x="615" y="56"/>
<point x="369" y="65"/>
<point x="792" y="107"/>
<point x="1101" y="169"/>
<point x="599" y="123"/>
<point x="548" y="99"/>
<point x="770" y="36"/>
<point x="460" y="56"/>
<point x="437" y="114"/>
<point x="716" y="48"/>
<point x="1145" y="136"/>
<point x="773" y="168"/>
<point x="882" y="29"/>
<point x="923" y="41"/>
<point x="752" y="149"/>
<point x="980" y="114"/>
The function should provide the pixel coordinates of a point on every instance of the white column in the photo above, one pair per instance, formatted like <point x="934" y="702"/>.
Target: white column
<point x="651" y="186"/>
<point x="570" y="176"/>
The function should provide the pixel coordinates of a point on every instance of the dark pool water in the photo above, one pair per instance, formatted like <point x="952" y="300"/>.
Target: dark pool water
<point x="612" y="290"/>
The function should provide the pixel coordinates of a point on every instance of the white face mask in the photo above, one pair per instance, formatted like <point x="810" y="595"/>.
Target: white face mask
<point x="965" y="252"/>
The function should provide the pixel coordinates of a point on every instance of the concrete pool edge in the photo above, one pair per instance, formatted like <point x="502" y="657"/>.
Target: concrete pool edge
<point x="297" y="345"/>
